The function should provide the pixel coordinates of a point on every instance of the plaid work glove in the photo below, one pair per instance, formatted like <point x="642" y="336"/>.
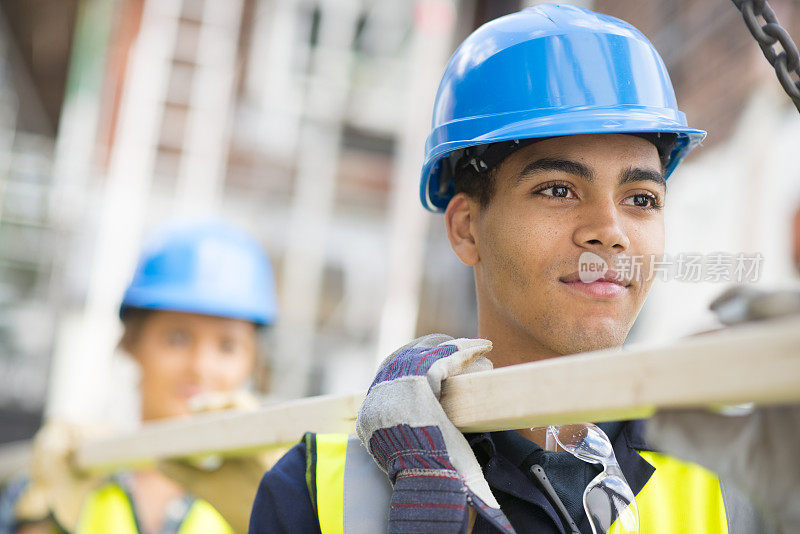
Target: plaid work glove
<point x="432" y="469"/>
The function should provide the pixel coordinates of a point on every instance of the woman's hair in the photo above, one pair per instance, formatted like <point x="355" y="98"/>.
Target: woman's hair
<point x="133" y="320"/>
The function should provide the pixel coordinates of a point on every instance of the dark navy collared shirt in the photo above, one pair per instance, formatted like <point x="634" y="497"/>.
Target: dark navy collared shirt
<point x="282" y="503"/>
<point x="507" y="459"/>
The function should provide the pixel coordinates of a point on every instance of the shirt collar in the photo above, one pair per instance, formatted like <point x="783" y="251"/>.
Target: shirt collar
<point x="508" y="453"/>
<point x="627" y="437"/>
<point x="508" y="478"/>
<point x="516" y="449"/>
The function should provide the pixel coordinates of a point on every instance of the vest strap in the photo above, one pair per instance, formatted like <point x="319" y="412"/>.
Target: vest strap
<point x="364" y="509"/>
<point x="352" y="494"/>
<point x="330" y="473"/>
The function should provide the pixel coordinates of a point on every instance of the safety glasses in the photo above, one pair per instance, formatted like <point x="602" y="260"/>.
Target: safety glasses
<point x="608" y="499"/>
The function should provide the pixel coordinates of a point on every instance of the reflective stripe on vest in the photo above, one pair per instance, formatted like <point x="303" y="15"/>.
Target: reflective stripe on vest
<point x="330" y="481"/>
<point x="108" y="509"/>
<point x="353" y="495"/>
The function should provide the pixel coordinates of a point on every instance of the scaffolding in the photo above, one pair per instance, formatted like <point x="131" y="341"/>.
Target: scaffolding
<point x="300" y="120"/>
<point x="27" y="238"/>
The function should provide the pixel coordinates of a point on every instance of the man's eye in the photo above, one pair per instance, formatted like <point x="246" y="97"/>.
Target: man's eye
<point x="557" y="191"/>
<point x="642" y="200"/>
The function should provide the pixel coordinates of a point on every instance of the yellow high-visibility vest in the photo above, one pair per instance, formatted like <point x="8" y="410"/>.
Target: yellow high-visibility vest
<point x="108" y="510"/>
<point x="352" y="495"/>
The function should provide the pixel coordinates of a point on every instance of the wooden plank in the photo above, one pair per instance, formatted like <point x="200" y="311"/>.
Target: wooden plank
<point x="232" y="433"/>
<point x="751" y="363"/>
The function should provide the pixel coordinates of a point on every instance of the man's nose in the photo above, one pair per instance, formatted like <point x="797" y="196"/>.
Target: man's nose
<point x="601" y="228"/>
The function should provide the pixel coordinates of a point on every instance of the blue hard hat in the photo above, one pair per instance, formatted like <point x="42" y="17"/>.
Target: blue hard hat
<point x="546" y="71"/>
<point x="209" y="268"/>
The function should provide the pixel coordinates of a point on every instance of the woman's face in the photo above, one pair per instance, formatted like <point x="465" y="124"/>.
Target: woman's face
<point x="183" y="355"/>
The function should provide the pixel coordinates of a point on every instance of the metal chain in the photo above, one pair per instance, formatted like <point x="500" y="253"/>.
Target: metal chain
<point x="784" y="58"/>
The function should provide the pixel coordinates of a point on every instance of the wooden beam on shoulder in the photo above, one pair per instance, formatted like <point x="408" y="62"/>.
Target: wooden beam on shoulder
<point x="757" y="362"/>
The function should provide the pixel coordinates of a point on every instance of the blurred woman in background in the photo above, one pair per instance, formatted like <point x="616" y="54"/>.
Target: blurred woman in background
<point x="192" y="315"/>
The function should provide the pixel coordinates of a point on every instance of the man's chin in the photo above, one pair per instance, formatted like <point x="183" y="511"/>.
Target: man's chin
<point x="592" y="335"/>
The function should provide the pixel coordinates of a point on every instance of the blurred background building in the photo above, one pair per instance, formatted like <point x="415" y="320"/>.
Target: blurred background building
<point x="304" y="121"/>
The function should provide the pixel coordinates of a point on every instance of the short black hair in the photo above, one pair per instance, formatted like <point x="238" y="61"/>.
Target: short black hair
<point x="476" y="185"/>
<point x="474" y="168"/>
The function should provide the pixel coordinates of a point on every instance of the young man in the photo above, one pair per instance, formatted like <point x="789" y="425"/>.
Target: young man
<point x="554" y="132"/>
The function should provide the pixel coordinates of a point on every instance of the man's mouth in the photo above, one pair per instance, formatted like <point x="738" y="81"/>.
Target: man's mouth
<point x="608" y="285"/>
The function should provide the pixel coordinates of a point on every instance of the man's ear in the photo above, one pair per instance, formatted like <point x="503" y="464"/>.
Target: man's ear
<point x="460" y="219"/>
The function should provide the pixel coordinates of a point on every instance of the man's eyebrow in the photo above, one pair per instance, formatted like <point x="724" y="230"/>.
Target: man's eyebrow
<point x="638" y="175"/>
<point x="557" y="164"/>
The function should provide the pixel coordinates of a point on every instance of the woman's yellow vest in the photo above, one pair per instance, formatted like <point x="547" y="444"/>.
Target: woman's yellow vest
<point x="108" y="510"/>
<point x="352" y="495"/>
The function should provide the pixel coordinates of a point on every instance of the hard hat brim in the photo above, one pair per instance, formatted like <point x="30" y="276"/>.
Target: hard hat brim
<point x="159" y="301"/>
<point x="543" y="123"/>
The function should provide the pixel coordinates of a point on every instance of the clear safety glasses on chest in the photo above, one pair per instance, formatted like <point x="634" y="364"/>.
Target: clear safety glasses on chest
<point x="607" y="499"/>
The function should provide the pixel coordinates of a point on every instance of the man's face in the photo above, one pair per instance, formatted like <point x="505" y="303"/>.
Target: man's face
<point x="553" y="201"/>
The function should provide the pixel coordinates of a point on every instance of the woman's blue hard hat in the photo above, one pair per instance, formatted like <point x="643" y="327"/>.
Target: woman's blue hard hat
<point x="208" y="267"/>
